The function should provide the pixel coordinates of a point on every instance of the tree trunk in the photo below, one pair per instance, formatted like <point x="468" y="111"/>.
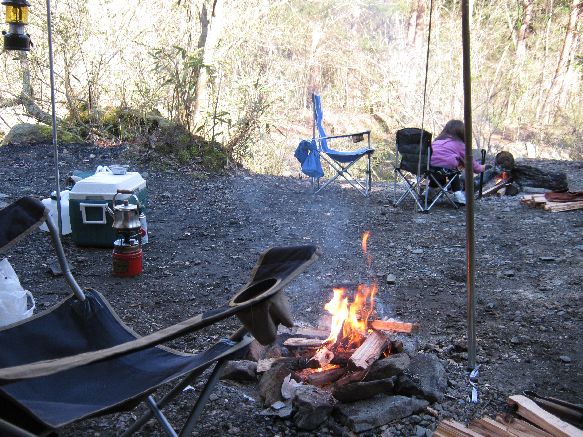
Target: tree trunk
<point x="27" y="94"/>
<point x="564" y="62"/>
<point x="211" y="28"/>
<point x="541" y="93"/>
<point x="416" y="26"/>
<point x="527" y="9"/>
<point x="314" y="68"/>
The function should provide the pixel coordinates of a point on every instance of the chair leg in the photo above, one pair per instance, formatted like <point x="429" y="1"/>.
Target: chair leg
<point x="343" y="171"/>
<point x="161" y="403"/>
<point x="160" y="417"/>
<point x="368" y="175"/>
<point x="202" y="399"/>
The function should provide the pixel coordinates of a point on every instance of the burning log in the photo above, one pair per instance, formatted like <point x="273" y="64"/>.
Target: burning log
<point x="327" y="376"/>
<point x="350" y="377"/>
<point x="303" y="342"/>
<point x="393" y="326"/>
<point x="369" y="351"/>
<point x="321" y="358"/>
<point x="341" y="357"/>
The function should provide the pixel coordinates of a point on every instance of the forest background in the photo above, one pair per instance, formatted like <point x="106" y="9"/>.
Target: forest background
<point x="228" y="82"/>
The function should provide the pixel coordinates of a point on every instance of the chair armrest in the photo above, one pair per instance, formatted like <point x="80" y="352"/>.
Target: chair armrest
<point x="20" y="219"/>
<point x="330" y="137"/>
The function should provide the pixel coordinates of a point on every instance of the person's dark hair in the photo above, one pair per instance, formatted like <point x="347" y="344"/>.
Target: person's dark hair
<point x="453" y="129"/>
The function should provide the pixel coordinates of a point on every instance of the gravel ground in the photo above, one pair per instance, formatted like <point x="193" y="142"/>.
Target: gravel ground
<point x="207" y="231"/>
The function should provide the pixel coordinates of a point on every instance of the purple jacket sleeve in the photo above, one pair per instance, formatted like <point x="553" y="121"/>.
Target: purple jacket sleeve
<point x="461" y="148"/>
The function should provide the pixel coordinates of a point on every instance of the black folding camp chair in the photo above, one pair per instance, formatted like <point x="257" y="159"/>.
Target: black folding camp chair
<point x="412" y="166"/>
<point x="78" y="360"/>
<point x="341" y="162"/>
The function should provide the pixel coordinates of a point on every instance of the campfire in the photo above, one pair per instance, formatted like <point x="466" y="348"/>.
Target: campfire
<point x="354" y="368"/>
<point x="355" y="340"/>
<point x="503" y="185"/>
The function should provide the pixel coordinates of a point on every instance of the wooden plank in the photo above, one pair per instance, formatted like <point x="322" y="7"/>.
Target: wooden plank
<point x="369" y="351"/>
<point x="394" y="326"/>
<point x="311" y="332"/>
<point x="535" y="414"/>
<point x="303" y="342"/>
<point x="451" y="428"/>
<point x="517" y="425"/>
<point x="491" y="428"/>
<point x="565" y="206"/>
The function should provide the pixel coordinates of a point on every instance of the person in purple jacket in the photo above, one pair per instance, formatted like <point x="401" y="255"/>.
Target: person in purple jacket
<point x="448" y="153"/>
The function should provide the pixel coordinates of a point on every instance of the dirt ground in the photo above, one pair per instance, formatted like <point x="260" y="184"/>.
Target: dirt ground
<point x="207" y="231"/>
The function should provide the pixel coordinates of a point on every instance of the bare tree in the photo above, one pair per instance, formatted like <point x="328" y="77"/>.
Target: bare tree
<point x="565" y="60"/>
<point x="211" y="21"/>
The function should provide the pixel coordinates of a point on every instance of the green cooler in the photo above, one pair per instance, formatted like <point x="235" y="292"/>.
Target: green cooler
<point x="91" y="224"/>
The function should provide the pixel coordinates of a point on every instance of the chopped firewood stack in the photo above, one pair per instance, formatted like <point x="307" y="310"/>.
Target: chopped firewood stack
<point x="550" y="202"/>
<point x="533" y="421"/>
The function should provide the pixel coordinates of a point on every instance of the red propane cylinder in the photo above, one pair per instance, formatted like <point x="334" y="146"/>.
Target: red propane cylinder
<point x="127" y="258"/>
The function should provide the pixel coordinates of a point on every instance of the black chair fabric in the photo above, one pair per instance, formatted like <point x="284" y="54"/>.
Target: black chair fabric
<point x="107" y="386"/>
<point x="408" y="142"/>
<point x="19" y="219"/>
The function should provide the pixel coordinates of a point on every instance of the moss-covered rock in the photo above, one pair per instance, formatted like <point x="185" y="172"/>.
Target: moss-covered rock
<point x="28" y="133"/>
<point x="175" y="140"/>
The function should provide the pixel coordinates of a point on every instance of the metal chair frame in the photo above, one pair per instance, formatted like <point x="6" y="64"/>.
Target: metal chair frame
<point x="336" y="165"/>
<point x="419" y="167"/>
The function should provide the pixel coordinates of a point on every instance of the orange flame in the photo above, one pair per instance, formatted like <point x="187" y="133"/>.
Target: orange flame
<point x="363" y="244"/>
<point x="365" y="237"/>
<point x="350" y="321"/>
<point x="338" y="307"/>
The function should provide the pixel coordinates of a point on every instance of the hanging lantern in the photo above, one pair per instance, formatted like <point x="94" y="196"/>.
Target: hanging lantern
<point x="16" y="18"/>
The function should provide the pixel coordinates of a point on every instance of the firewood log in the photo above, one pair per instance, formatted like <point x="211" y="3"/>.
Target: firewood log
<point x="394" y="326"/>
<point x="303" y="342"/>
<point x="321" y="358"/>
<point x="547" y="421"/>
<point x="325" y="376"/>
<point x="369" y="351"/>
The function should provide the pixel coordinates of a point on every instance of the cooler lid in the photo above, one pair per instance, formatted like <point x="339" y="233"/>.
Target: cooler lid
<point x="107" y="184"/>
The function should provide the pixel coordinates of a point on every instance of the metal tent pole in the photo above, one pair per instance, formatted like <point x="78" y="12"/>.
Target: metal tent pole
<point x="54" y="114"/>
<point x="469" y="174"/>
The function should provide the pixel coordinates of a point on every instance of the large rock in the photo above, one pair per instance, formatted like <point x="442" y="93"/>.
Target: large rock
<point x="270" y="383"/>
<point x="313" y="406"/>
<point x="357" y="391"/>
<point x="378" y="411"/>
<point x="27" y="133"/>
<point x="240" y="370"/>
<point x="393" y="365"/>
<point x="425" y="377"/>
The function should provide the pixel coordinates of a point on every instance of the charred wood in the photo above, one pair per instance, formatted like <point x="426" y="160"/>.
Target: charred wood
<point x="321" y="358"/>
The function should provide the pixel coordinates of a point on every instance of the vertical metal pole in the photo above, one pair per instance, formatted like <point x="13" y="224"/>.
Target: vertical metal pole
<point x="469" y="174"/>
<point x="54" y="113"/>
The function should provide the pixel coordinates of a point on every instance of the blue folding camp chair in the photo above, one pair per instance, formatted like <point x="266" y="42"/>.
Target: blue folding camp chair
<point x="78" y="360"/>
<point x="340" y="161"/>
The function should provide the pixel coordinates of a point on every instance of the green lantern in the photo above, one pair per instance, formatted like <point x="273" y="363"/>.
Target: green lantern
<point x="16" y="18"/>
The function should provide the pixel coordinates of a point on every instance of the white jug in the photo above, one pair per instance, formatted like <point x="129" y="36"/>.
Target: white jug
<point x="51" y="204"/>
